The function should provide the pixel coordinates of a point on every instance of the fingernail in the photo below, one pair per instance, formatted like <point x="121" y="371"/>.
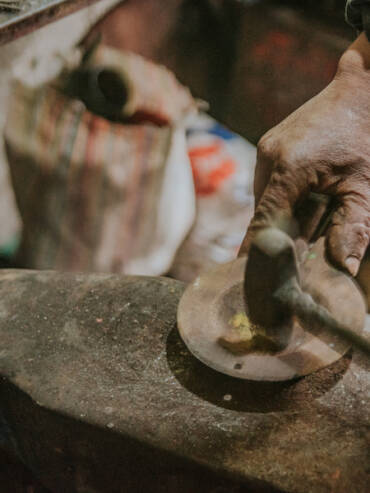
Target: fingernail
<point x="352" y="264"/>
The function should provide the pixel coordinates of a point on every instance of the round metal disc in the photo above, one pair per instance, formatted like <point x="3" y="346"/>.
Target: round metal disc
<point x="204" y="314"/>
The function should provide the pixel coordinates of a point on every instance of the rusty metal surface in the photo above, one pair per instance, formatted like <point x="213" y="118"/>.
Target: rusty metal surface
<point x="103" y="396"/>
<point x="35" y="14"/>
<point x="209" y="304"/>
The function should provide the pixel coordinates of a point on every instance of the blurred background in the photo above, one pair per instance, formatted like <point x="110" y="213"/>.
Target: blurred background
<point x="253" y="61"/>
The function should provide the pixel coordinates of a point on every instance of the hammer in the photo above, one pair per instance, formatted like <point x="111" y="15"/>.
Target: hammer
<point x="275" y="296"/>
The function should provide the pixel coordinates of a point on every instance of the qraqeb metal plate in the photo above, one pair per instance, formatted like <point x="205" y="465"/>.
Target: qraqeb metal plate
<point x="204" y="314"/>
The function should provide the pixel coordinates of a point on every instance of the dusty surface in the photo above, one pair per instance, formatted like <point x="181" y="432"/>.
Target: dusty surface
<point x="99" y="390"/>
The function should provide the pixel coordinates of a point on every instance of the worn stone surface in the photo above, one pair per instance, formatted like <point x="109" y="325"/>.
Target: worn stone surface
<point x="102" y="396"/>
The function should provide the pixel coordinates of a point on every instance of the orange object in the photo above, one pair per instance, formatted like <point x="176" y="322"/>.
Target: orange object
<point x="209" y="169"/>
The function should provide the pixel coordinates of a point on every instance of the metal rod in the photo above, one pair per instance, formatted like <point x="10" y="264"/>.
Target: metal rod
<point x="313" y="315"/>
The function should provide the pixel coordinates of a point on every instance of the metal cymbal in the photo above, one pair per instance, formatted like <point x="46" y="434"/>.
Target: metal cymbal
<point x="206" y="312"/>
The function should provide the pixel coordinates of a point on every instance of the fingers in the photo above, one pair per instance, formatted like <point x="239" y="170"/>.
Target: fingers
<point x="363" y="276"/>
<point x="276" y="207"/>
<point x="348" y="236"/>
<point x="262" y="174"/>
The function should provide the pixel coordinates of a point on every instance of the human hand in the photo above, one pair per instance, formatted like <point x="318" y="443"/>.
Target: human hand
<point x="323" y="147"/>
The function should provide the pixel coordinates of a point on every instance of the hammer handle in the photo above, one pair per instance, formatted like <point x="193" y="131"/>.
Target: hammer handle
<point x="313" y="315"/>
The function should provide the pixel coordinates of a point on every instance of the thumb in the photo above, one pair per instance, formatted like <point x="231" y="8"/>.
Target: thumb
<point x="348" y="236"/>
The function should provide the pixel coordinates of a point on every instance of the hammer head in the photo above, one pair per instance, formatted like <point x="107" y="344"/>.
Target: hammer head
<point x="272" y="264"/>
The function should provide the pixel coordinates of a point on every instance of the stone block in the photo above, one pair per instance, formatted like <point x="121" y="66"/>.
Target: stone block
<point x="101" y="395"/>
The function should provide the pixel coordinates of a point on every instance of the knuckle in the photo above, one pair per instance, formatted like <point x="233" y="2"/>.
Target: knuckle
<point x="283" y="159"/>
<point x="266" y="147"/>
<point x="359" y="232"/>
<point x="356" y="201"/>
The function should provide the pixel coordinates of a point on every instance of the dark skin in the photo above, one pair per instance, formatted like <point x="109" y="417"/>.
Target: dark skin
<point x="323" y="147"/>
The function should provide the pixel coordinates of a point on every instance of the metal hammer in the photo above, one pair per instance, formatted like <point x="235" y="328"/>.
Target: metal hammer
<point x="274" y="294"/>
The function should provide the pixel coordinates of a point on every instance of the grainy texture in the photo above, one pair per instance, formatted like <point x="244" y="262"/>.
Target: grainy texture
<point x="102" y="396"/>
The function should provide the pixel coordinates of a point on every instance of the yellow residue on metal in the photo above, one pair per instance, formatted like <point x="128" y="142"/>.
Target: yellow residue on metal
<point x="243" y="336"/>
<point x="243" y="325"/>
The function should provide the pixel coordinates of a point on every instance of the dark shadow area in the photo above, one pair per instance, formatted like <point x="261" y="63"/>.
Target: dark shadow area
<point x="69" y="455"/>
<point x="6" y="262"/>
<point x="16" y="478"/>
<point x="247" y="396"/>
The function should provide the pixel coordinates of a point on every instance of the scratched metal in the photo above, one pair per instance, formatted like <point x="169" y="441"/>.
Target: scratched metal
<point x="34" y="14"/>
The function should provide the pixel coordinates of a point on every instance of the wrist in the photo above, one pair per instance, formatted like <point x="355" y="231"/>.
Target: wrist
<point x="354" y="64"/>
